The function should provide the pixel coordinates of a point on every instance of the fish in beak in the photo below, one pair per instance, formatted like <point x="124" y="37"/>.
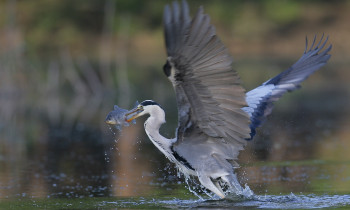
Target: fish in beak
<point x="117" y="117"/>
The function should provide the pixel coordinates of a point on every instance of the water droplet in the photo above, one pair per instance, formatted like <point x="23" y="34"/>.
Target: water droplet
<point x="106" y="157"/>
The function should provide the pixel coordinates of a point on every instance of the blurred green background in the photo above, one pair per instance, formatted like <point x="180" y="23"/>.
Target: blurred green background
<point x="64" y="64"/>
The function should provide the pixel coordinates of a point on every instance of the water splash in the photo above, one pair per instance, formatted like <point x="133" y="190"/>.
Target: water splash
<point x="290" y="201"/>
<point x="293" y="201"/>
<point x="114" y="146"/>
<point x="111" y="129"/>
<point x="247" y="192"/>
<point x="235" y="192"/>
<point x="106" y="157"/>
<point x="192" y="190"/>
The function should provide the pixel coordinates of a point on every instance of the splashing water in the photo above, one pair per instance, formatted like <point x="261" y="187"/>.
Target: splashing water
<point x="290" y="201"/>
<point x="193" y="190"/>
<point x="297" y="201"/>
<point x="111" y="129"/>
<point x="194" y="186"/>
<point x="106" y="157"/>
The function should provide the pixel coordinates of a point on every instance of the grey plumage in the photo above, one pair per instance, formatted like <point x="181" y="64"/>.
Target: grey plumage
<point x="203" y="77"/>
<point x="216" y="116"/>
<point x="210" y="99"/>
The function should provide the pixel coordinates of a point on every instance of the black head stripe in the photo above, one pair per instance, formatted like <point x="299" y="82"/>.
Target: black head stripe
<point x="149" y="102"/>
<point x="167" y="69"/>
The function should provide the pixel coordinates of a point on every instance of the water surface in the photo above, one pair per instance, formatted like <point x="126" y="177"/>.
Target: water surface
<point x="57" y="152"/>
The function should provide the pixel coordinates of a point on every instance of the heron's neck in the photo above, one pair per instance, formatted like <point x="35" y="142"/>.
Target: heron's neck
<point x="152" y="125"/>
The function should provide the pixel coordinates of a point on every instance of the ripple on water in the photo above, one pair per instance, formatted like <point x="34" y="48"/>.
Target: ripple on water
<point x="258" y="201"/>
<point x="298" y="201"/>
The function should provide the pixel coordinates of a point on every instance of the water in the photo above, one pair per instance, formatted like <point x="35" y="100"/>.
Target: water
<point x="315" y="183"/>
<point x="59" y="153"/>
<point x="76" y="167"/>
<point x="78" y="163"/>
<point x="262" y="202"/>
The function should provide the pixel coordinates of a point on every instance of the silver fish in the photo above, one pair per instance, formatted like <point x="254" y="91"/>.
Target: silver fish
<point x="117" y="117"/>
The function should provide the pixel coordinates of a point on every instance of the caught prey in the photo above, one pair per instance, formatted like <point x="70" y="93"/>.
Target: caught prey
<point x="118" y="117"/>
<point x="216" y="116"/>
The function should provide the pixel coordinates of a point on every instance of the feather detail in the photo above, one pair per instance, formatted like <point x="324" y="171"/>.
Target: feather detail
<point x="260" y="100"/>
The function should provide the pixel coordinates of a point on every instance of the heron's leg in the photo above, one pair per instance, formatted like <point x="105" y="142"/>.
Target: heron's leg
<point x="216" y="183"/>
<point x="206" y="182"/>
<point x="232" y="181"/>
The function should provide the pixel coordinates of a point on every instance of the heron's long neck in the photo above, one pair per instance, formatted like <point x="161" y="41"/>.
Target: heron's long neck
<point x="152" y="125"/>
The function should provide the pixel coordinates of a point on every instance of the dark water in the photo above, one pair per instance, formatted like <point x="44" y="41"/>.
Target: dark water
<point x="91" y="180"/>
<point x="262" y="202"/>
<point x="317" y="184"/>
<point x="57" y="152"/>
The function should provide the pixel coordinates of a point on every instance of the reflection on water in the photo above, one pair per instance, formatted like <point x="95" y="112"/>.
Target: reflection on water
<point x="83" y="158"/>
<point x="55" y="146"/>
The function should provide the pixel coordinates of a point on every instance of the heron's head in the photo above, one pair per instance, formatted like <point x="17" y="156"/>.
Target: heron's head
<point x="145" y="107"/>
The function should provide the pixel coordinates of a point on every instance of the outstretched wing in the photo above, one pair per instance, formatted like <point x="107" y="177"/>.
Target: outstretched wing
<point x="208" y="91"/>
<point x="260" y="100"/>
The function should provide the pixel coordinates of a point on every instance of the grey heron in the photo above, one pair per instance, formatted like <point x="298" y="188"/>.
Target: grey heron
<point x="216" y="117"/>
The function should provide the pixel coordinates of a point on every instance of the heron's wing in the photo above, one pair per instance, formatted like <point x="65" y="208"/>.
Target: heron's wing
<point x="208" y="91"/>
<point x="260" y="100"/>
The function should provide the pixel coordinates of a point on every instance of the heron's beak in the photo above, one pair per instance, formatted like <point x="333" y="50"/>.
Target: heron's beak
<point x="133" y="114"/>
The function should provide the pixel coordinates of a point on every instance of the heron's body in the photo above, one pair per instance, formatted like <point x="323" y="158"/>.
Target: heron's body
<point x="207" y="165"/>
<point x="216" y="116"/>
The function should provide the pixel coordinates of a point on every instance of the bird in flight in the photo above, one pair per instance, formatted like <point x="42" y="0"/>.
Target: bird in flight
<point x="216" y="117"/>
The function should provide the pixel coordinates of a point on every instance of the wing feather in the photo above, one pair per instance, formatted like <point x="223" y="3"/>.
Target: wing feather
<point x="215" y="115"/>
<point x="260" y="100"/>
<point x="209" y="94"/>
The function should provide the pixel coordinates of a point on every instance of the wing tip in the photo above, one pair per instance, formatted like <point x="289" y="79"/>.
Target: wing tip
<point x="320" y="45"/>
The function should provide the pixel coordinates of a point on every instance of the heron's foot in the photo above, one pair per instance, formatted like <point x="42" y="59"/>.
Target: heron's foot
<point x="208" y="183"/>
